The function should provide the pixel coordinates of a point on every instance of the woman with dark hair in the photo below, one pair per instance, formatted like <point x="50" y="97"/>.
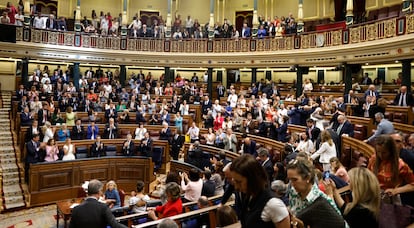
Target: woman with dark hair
<point x="394" y="175"/>
<point x="192" y="184"/>
<point x="259" y="208"/>
<point x="309" y="204"/>
<point x="279" y="172"/>
<point x="174" y="205"/>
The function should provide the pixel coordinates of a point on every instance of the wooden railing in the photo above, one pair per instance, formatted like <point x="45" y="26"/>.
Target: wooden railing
<point x="54" y="181"/>
<point x="375" y="30"/>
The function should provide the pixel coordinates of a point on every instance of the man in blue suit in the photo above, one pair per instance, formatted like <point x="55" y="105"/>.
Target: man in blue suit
<point x="92" y="131"/>
<point x="384" y="127"/>
<point x="371" y="91"/>
<point x="248" y="146"/>
<point x="344" y="127"/>
<point x="246" y="31"/>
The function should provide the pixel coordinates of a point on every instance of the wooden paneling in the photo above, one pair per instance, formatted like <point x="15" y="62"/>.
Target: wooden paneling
<point x="50" y="182"/>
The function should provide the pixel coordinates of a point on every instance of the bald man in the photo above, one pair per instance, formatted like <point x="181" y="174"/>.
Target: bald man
<point x="404" y="98"/>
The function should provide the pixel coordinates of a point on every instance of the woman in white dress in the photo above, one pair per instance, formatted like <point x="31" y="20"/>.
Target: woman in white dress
<point x="69" y="151"/>
<point x="305" y="144"/>
<point x="140" y="132"/>
<point x="48" y="132"/>
<point x="184" y="107"/>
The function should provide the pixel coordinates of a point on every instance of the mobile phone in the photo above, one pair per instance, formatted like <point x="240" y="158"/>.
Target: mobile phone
<point x="326" y="175"/>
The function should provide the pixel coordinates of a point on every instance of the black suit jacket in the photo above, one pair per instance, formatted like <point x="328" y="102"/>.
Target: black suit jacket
<point x="347" y="128"/>
<point x="40" y="116"/>
<point x="29" y="133"/>
<point x="315" y="133"/>
<point x="97" y="151"/>
<point x="77" y="134"/>
<point x="176" y="144"/>
<point x="146" y="150"/>
<point x="33" y="155"/>
<point x="268" y="167"/>
<point x="205" y="106"/>
<point x="92" y="213"/>
<point x="25" y="119"/>
<point x="109" y="115"/>
<point x="129" y="151"/>
<point x="165" y="135"/>
<point x="409" y="99"/>
<point x="114" y="131"/>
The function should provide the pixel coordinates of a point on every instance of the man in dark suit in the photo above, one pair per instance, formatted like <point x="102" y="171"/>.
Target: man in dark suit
<point x="33" y="154"/>
<point x="248" y="146"/>
<point x="21" y="92"/>
<point x="145" y="148"/>
<point x="111" y="129"/>
<point x="165" y="133"/>
<point x="77" y="131"/>
<point x="263" y="157"/>
<point x="366" y="80"/>
<point x="371" y="91"/>
<point x="43" y="115"/>
<point x="97" y="148"/>
<point x="92" y="213"/>
<point x="34" y="129"/>
<point x="139" y="118"/>
<point x="26" y="117"/>
<point x="246" y="31"/>
<point x="111" y="112"/>
<point x="195" y="155"/>
<point x="312" y="131"/>
<point x="23" y="103"/>
<point x="165" y="117"/>
<point x="206" y="105"/>
<point x="128" y="148"/>
<point x="261" y="127"/>
<point x="51" y="22"/>
<point x="177" y="142"/>
<point x="404" y="98"/>
<point x="345" y="127"/>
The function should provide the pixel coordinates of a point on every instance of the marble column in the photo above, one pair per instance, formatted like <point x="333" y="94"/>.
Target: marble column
<point x="406" y="73"/>
<point x="25" y="72"/>
<point x="299" y="81"/>
<point x="76" y="75"/>
<point x="349" y="12"/>
<point x="347" y="72"/>
<point x="300" y="26"/>
<point x="122" y="75"/>
<point x="407" y="6"/>
<point x="254" y="75"/>
<point x="210" y="82"/>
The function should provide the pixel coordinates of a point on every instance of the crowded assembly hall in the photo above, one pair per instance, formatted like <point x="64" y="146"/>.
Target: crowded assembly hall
<point x="206" y="113"/>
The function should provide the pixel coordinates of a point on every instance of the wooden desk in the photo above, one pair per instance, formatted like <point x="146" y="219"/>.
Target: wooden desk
<point x="63" y="209"/>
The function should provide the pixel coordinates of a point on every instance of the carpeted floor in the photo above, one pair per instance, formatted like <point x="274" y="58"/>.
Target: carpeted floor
<point x="39" y="217"/>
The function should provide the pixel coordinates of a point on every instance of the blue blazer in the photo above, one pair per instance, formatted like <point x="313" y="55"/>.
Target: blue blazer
<point x="90" y="131"/>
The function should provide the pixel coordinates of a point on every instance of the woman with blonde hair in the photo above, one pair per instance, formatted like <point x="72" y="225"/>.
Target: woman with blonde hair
<point x="326" y="151"/>
<point x="111" y="194"/>
<point x="338" y="169"/>
<point x="364" y="209"/>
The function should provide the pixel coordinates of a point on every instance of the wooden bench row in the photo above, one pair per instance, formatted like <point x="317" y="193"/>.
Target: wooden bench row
<point x="117" y="144"/>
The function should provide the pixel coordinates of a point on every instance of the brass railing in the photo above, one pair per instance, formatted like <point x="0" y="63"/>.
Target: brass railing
<point x="381" y="29"/>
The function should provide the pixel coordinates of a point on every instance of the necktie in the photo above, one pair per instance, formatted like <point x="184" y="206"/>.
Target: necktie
<point x="339" y="129"/>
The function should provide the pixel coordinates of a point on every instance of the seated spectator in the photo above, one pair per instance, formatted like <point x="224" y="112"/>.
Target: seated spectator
<point x="338" y="169"/>
<point x="280" y="189"/>
<point x="172" y="207"/>
<point x="138" y="199"/>
<point x="225" y="216"/>
<point x="98" y="148"/>
<point x="26" y="117"/>
<point x="111" y="195"/>
<point x="209" y="186"/>
<point x="192" y="185"/>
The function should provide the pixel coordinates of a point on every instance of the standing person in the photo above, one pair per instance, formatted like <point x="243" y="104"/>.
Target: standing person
<point x="68" y="150"/>
<point x="177" y="142"/>
<point x="258" y="207"/>
<point x="33" y="154"/>
<point x="92" y="213"/>
<point x="192" y="184"/>
<point x="138" y="199"/>
<point x="326" y="151"/>
<point x="52" y="151"/>
<point x="128" y="149"/>
<point x="363" y="211"/>
<point x="97" y="148"/>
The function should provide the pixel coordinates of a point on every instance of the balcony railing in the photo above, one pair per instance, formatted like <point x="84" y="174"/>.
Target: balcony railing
<point x="376" y="30"/>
